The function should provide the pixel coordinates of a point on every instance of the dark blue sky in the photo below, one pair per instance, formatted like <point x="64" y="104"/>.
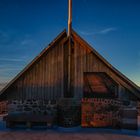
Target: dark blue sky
<point x="111" y="26"/>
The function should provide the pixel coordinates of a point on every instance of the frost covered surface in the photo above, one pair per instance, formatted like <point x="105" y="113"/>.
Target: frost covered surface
<point x="62" y="134"/>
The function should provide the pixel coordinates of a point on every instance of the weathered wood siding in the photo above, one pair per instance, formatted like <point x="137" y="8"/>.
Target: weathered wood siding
<point x="44" y="79"/>
<point x="47" y="78"/>
<point x="86" y="61"/>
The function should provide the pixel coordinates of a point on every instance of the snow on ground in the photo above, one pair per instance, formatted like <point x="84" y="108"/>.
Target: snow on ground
<point x="62" y="134"/>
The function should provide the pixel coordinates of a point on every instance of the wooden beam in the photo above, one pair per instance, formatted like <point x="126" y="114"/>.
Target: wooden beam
<point x="69" y="46"/>
<point x="69" y="18"/>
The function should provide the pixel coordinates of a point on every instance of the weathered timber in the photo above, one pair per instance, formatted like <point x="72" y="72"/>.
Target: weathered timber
<point x="47" y="75"/>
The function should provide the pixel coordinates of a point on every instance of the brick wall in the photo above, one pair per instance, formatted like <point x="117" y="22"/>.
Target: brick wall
<point x="97" y="112"/>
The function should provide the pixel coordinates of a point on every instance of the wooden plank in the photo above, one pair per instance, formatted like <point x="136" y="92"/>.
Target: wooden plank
<point x="84" y="60"/>
<point x="59" y="72"/>
<point x="87" y="61"/>
<point x="24" y="96"/>
<point x="72" y="71"/>
<point x="29" y="85"/>
<point x="42" y="77"/>
<point x="36" y="80"/>
<point x="49" y="76"/>
<point x="44" y="72"/>
<point x="61" y="79"/>
<point x="46" y="76"/>
<point x="75" y="69"/>
<point x="52" y="72"/>
<point x="91" y="62"/>
<point x="26" y="84"/>
<point x="78" y="70"/>
<point x="82" y="70"/>
<point x="40" y="93"/>
<point x="19" y="88"/>
<point x="55" y="61"/>
<point x="65" y="69"/>
<point x="33" y="81"/>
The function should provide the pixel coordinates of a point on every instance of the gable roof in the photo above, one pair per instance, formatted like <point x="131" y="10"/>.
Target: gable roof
<point x="117" y="72"/>
<point x="62" y="35"/>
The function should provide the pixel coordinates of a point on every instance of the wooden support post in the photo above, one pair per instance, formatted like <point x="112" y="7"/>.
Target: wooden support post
<point x="69" y="18"/>
<point x="69" y="68"/>
<point x="69" y="47"/>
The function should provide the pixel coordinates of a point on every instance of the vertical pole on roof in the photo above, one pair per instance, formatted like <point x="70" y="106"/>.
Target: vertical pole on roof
<point x="69" y="18"/>
<point x="69" y="45"/>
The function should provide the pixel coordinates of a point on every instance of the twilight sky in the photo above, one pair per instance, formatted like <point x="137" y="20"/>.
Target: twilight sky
<point x="111" y="26"/>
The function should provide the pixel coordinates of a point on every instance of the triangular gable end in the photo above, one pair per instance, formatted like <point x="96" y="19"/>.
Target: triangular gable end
<point x="119" y="76"/>
<point x="61" y="36"/>
<point x="110" y="70"/>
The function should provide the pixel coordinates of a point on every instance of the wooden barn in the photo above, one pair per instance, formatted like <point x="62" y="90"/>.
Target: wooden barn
<point x="70" y="69"/>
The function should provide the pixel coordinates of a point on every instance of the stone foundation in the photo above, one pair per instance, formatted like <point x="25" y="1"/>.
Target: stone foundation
<point x="42" y="107"/>
<point x="91" y="112"/>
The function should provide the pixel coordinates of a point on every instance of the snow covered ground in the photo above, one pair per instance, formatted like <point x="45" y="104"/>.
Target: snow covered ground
<point x="62" y="134"/>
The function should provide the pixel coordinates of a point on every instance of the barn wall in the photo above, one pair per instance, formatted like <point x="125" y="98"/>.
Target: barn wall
<point x="44" y="79"/>
<point x="86" y="61"/>
<point x="47" y="78"/>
